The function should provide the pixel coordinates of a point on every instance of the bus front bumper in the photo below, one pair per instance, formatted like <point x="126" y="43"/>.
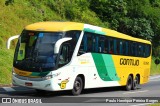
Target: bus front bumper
<point x="36" y="83"/>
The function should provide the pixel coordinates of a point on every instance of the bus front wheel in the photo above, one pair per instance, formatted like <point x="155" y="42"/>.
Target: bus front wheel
<point x="129" y="84"/>
<point x="78" y="86"/>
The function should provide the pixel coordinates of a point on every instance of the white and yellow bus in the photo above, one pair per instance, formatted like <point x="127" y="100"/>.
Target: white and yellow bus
<point x="55" y="56"/>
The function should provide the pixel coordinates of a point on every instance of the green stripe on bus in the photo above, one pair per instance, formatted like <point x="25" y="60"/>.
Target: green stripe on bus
<point x="41" y="74"/>
<point x="105" y="67"/>
<point x="94" y="31"/>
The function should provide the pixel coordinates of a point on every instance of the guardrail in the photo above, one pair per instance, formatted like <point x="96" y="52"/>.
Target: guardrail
<point x="10" y="39"/>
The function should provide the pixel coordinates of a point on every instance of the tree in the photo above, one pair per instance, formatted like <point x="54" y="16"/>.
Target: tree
<point x="8" y="2"/>
<point x="109" y="10"/>
<point x="138" y="27"/>
<point x="155" y="3"/>
<point x="156" y="52"/>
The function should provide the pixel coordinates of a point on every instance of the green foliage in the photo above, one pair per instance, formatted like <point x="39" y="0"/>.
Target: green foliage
<point x="155" y="104"/>
<point x="138" y="27"/>
<point x="8" y="2"/>
<point x="155" y="69"/>
<point x="109" y="10"/>
<point x="6" y="57"/>
<point x="156" y="51"/>
<point x="155" y="3"/>
<point x="75" y="10"/>
<point x="138" y="18"/>
<point x="133" y="17"/>
<point x="135" y="8"/>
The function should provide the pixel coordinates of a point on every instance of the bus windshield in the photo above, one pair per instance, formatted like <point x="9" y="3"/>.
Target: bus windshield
<point x="35" y="51"/>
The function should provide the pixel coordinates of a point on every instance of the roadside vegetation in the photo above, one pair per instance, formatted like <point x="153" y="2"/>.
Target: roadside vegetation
<point x="138" y="18"/>
<point x="155" y="69"/>
<point x="156" y="104"/>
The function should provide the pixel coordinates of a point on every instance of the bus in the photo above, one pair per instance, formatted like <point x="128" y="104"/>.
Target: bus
<point x="56" y="56"/>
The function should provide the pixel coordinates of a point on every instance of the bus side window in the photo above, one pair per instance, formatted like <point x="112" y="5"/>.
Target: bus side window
<point x="117" y="49"/>
<point x="75" y="36"/>
<point x="144" y="53"/>
<point x="142" y="50"/>
<point x="115" y="46"/>
<point x="83" y="46"/>
<point x="96" y="44"/>
<point x="111" y="44"/>
<point x="90" y="41"/>
<point x="147" y="50"/>
<point x="133" y="49"/>
<point x="101" y="44"/>
<point x="127" y="48"/>
<point x="121" y="46"/>
<point x="106" y="46"/>
<point x="139" y="50"/>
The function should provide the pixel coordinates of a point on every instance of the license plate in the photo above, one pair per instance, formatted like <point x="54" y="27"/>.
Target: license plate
<point x="28" y="84"/>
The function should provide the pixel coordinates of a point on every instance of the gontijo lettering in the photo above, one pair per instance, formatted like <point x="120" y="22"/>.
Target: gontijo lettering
<point x="133" y="62"/>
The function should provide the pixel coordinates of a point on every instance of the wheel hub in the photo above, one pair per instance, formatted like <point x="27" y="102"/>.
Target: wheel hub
<point x="77" y="85"/>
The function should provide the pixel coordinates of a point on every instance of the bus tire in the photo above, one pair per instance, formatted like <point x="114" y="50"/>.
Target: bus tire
<point x="135" y="83"/>
<point x="77" y="86"/>
<point x="129" y="84"/>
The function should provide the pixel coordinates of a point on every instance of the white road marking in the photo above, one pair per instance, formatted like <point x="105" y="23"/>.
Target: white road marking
<point x="142" y="104"/>
<point x="154" y="77"/>
<point x="9" y="89"/>
<point x="136" y="92"/>
<point x="154" y="80"/>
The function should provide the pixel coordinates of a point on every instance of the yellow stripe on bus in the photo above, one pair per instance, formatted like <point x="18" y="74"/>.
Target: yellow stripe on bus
<point x="22" y="73"/>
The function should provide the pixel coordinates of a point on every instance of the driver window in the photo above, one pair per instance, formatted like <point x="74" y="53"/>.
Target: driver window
<point x="64" y="55"/>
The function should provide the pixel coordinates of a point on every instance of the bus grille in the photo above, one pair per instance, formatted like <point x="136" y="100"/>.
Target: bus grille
<point x="29" y="79"/>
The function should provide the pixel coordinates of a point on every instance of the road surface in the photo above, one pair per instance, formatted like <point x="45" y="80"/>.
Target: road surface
<point x="89" y="97"/>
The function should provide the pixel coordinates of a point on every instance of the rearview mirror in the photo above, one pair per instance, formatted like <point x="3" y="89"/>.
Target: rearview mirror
<point x="10" y="39"/>
<point x="157" y="61"/>
<point x="58" y="44"/>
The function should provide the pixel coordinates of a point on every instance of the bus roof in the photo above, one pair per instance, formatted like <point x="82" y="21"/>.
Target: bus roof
<point x="66" y="26"/>
<point x="55" y="26"/>
<point x="116" y="34"/>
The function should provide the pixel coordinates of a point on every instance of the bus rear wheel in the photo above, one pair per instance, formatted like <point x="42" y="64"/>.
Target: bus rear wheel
<point x="135" y="83"/>
<point x="78" y="86"/>
<point x="129" y="84"/>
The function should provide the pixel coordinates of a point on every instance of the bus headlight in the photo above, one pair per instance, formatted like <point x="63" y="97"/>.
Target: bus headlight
<point x="13" y="73"/>
<point x="48" y="77"/>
